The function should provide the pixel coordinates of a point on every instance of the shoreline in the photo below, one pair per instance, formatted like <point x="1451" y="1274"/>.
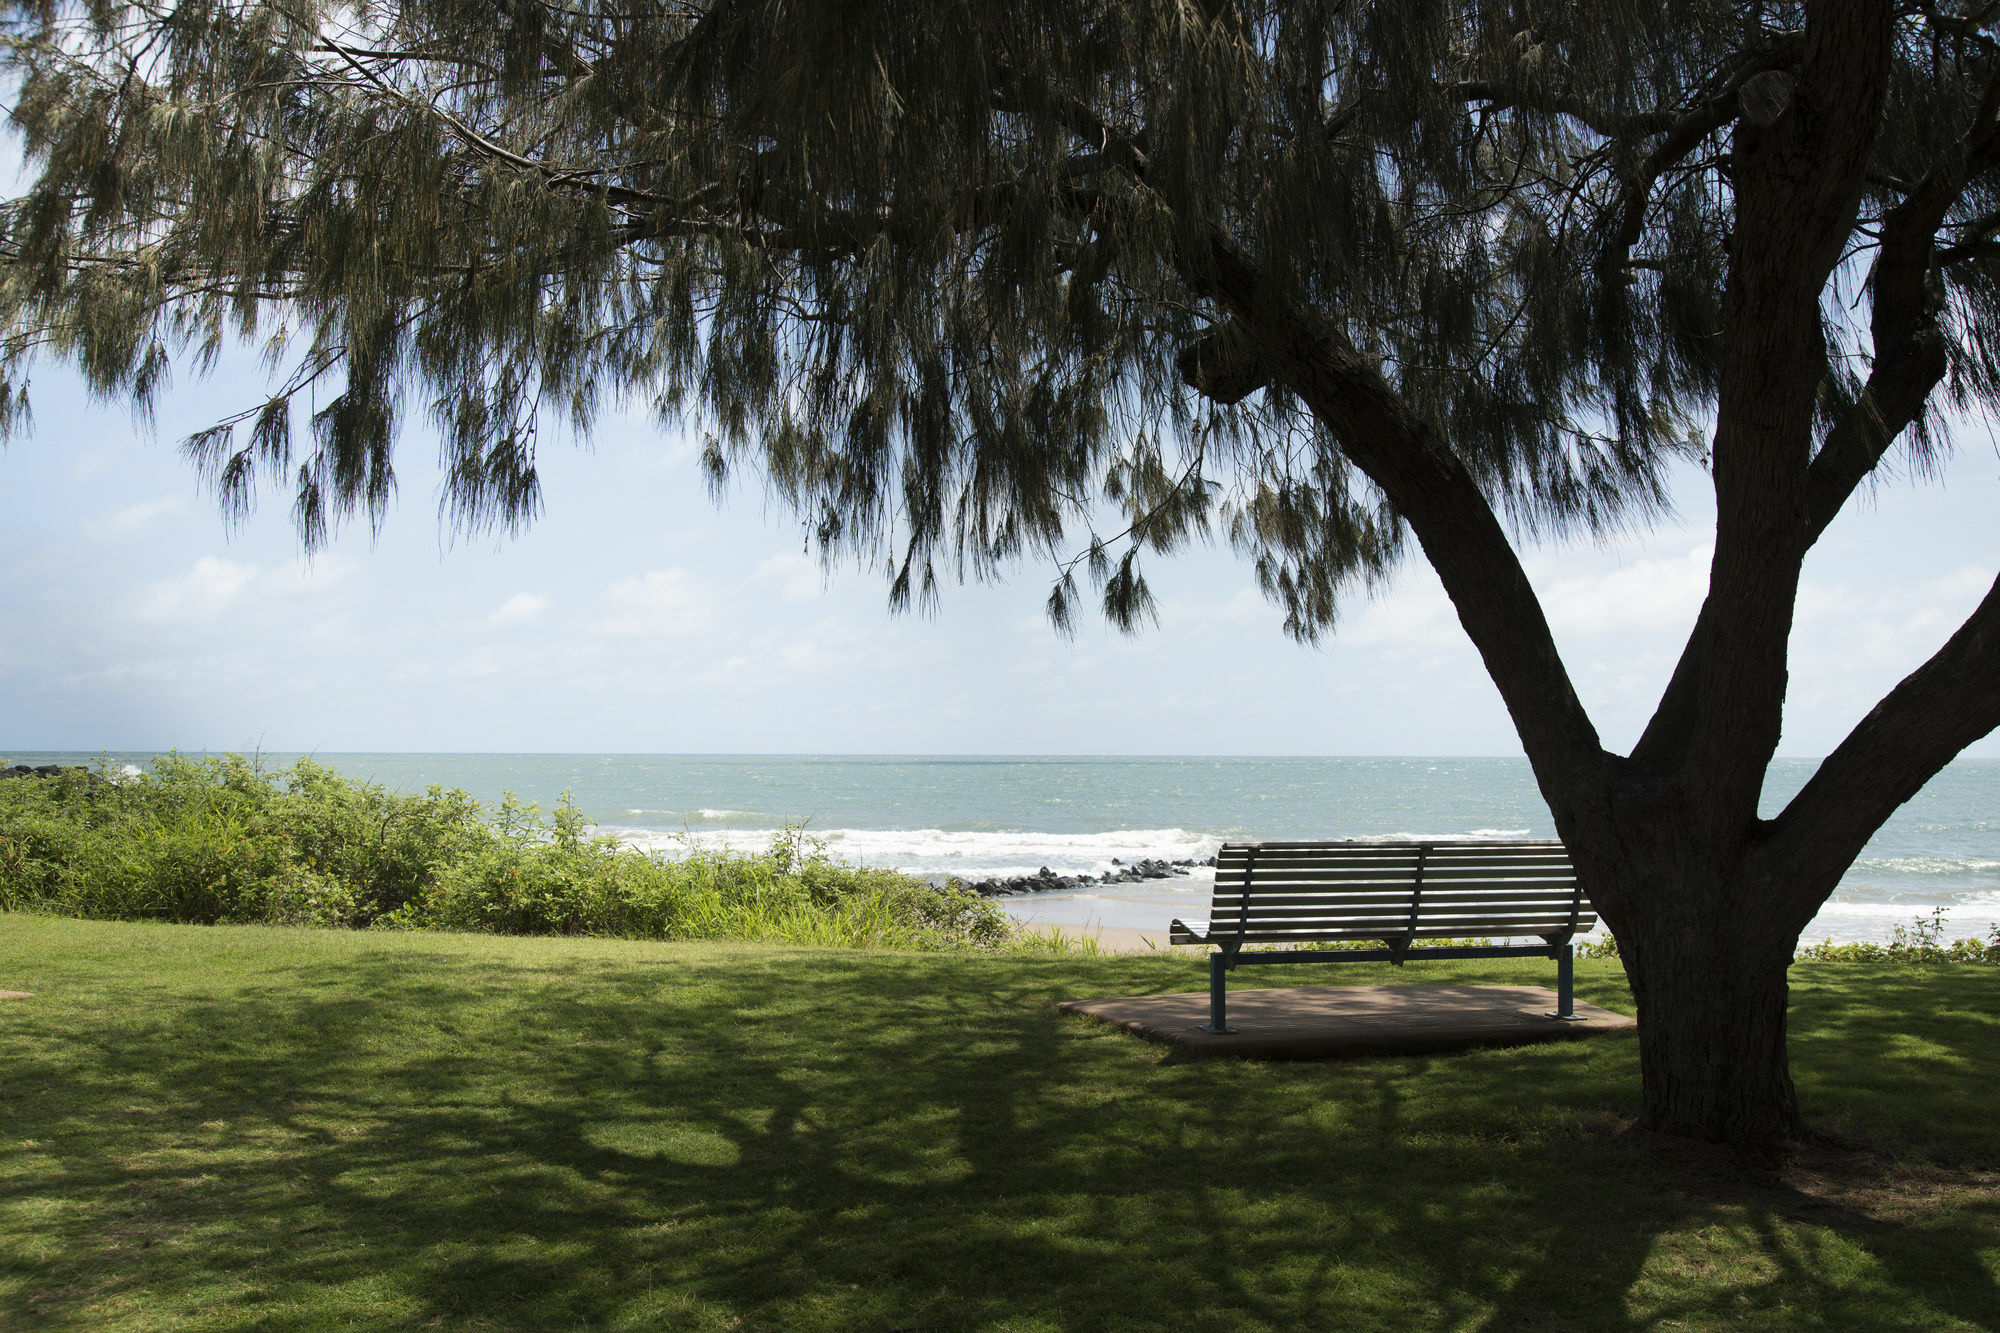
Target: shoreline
<point x="1109" y="939"/>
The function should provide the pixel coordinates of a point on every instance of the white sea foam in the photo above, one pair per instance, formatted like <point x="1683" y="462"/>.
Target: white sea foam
<point x="983" y="854"/>
<point x="1904" y="906"/>
<point x="705" y="814"/>
<point x="1468" y="835"/>
<point x="1927" y="865"/>
<point x="1843" y="919"/>
<point x="967" y="855"/>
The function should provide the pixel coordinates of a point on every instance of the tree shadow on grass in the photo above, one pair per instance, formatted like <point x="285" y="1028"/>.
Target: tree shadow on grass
<point x="400" y="1138"/>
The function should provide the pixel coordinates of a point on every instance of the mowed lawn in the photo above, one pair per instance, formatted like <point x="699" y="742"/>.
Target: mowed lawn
<point x="248" y="1128"/>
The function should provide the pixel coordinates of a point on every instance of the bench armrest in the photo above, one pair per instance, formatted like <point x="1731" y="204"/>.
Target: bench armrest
<point x="1188" y="932"/>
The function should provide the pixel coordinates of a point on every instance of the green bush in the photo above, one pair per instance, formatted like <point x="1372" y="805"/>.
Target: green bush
<point x="1920" y="944"/>
<point x="220" y="839"/>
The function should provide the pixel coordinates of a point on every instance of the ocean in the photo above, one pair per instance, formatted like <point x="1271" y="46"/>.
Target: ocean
<point x="993" y="816"/>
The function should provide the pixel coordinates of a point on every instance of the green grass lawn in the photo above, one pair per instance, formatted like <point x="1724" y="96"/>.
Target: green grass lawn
<point x="244" y="1127"/>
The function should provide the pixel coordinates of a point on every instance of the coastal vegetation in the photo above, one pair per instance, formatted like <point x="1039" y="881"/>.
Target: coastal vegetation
<point x="223" y="839"/>
<point x="295" y="1130"/>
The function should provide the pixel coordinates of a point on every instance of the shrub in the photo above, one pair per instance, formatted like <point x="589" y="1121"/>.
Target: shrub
<point x="560" y="878"/>
<point x="208" y="840"/>
<point x="1920" y="944"/>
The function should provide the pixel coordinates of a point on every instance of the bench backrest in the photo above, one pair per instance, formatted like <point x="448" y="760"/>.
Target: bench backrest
<point x="1395" y="891"/>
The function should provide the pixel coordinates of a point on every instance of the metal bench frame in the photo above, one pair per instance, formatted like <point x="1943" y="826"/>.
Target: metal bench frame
<point x="1399" y="946"/>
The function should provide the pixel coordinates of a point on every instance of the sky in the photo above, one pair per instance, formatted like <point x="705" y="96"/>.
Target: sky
<point x="637" y="617"/>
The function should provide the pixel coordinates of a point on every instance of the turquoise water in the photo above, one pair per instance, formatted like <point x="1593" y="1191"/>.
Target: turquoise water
<point x="984" y="816"/>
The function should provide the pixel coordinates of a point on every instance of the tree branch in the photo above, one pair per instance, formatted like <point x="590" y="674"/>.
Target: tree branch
<point x="1940" y="708"/>
<point x="1502" y="96"/>
<point x="1910" y="355"/>
<point x="1681" y="137"/>
<point x="1910" y="360"/>
<point x="1800" y="164"/>
<point x="1435" y="493"/>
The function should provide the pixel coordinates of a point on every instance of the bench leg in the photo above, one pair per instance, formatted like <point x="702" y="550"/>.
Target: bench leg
<point x="1565" y="1009"/>
<point x="1218" y="995"/>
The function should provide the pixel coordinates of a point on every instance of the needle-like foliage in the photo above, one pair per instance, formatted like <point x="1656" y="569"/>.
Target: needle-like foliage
<point x="942" y="271"/>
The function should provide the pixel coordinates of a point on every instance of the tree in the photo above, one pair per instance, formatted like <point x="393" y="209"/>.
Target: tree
<point x="1325" y="275"/>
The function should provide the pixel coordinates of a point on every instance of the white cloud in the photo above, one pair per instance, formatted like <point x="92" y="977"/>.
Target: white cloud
<point x="1413" y="615"/>
<point x="661" y="603"/>
<point x="1659" y="595"/>
<point x="477" y="663"/>
<point x="214" y="586"/>
<point x="203" y="593"/>
<point x="1935" y="605"/>
<point x="520" y="609"/>
<point x="1246" y="606"/>
<point x="797" y="575"/>
<point x="1852" y="643"/>
<point x="126" y="521"/>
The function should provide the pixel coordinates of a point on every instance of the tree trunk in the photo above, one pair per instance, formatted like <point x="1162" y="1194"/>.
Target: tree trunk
<point x="1712" y="1045"/>
<point x="1707" y="961"/>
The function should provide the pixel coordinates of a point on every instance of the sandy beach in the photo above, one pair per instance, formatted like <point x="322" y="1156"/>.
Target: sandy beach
<point x="1110" y="939"/>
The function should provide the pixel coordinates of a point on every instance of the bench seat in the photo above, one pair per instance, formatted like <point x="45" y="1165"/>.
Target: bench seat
<point x="1270" y="895"/>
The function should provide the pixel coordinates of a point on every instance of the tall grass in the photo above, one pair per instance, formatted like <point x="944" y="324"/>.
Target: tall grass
<point x="211" y="840"/>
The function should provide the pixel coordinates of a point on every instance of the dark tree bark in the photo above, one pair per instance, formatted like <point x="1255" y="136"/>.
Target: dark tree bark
<point x="1710" y="983"/>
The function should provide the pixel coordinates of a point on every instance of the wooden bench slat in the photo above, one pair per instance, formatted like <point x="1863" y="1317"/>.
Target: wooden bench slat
<point x="1374" y="883"/>
<point x="1393" y="913"/>
<point x="1401" y="893"/>
<point x="1459" y="855"/>
<point x="1439" y="851"/>
<point x="1387" y="894"/>
<point x="1394" y="852"/>
<point x="1262" y="884"/>
<point x="1376" y="866"/>
<point x="1473" y="929"/>
<point x="1441" y="931"/>
<point x="1400" y="911"/>
<point x="1397" y="848"/>
<point x="1390" y="863"/>
<point x="1399" y="875"/>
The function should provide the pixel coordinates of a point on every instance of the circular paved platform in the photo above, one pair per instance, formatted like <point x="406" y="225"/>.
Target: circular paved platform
<point x="1312" y="1022"/>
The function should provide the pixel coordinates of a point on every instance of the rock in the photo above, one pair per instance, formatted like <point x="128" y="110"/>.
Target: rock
<point x="1046" y="880"/>
<point x="92" y="782"/>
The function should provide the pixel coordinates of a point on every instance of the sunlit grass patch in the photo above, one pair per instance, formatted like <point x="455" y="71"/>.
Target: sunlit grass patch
<point x="233" y="1127"/>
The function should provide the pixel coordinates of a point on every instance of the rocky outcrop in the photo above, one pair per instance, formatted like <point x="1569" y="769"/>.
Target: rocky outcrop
<point x="91" y="781"/>
<point x="43" y="771"/>
<point x="1046" y="880"/>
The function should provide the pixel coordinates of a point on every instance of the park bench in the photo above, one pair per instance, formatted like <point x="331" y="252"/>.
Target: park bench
<point x="1306" y="893"/>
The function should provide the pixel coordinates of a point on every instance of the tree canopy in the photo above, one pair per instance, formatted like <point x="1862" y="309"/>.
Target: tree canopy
<point x="1321" y="275"/>
<point x="947" y="271"/>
